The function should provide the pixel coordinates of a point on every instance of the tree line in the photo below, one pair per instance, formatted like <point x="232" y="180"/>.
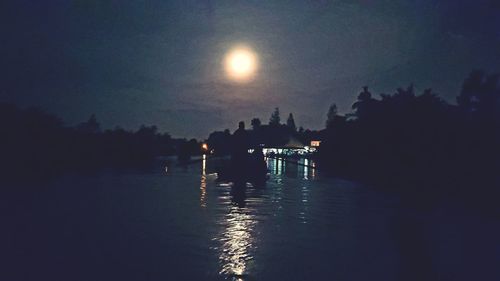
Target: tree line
<point x="419" y="141"/>
<point x="38" y="144"/>
<point x="403" y="138"/>
<point x="272" y="134"/>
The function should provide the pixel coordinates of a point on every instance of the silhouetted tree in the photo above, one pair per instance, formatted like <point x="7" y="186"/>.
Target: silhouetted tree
<point x="275" y="118"/>
<point x="255" y="123"/>
<point x="220" y="142"/>
<point x="330" y="116"/>
<point x="91" y="126"/>
<point x="472" y="89"/>
<point x="402" y="134"/>
<point x="480" y="94"/>
<point x="291" y="123"/>
<point x="187" y="149"/>
<point x="364" y="105"/>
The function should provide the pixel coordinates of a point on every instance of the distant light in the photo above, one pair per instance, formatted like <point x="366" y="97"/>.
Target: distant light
<point x="240" y="64"/>
<point x="315" y="143"/>
<point x="204" y="165"/>
<point x="204" y="147"/>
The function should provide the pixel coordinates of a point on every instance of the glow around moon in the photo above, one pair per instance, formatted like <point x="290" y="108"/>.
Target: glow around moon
<point x="241" y="64"/>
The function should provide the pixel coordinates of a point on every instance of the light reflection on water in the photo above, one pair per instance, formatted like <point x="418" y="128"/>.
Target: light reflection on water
<point x="305" y="204"/>
<point x="301" y="168"/>
<point x="237" y="241"/>
<point x="203" y="191"/>
<point x="203" y="183"/>
<point x="306" y="168"/>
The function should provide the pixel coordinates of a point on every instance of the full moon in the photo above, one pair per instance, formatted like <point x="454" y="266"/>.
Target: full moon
<point x="241" y="64"/>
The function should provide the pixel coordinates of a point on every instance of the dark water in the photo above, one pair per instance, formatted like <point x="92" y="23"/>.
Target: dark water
<point x="181" y="225"/>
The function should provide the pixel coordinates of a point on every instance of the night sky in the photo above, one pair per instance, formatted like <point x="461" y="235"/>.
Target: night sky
<point x="160" y="62"/>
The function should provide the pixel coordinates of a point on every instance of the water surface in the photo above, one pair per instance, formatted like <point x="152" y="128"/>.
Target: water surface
<point x="180" y="224"/>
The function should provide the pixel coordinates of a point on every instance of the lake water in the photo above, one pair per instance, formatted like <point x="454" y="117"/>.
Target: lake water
<point x="180" y="224"/>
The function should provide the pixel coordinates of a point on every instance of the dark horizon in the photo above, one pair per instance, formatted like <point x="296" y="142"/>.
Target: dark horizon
<point x="266" y="120"/>
<point x="320" y="125"/>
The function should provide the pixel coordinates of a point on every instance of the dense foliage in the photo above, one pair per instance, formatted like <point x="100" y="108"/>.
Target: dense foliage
<point x="419" y="141"/>
<point x="35" y="143"/>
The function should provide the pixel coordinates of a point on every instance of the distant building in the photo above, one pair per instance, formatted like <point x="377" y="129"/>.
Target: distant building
<point x="293" y="147"/>
<point x="315" y="143"/>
